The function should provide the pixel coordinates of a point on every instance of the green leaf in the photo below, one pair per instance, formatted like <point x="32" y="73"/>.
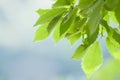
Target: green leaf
<point x="56" y="34"/>
<point x="94" y="18"/>
<point x="117" y="12"/>
<point x="53" y="23"/>
<point x="116" y="35"/>
<point x="113" y="47"/>
<point x="83" y="4"/>
<point x="102" y="30"/>
<point x="67" y="21"/>
<point x="91" y="39"/>
<point x="74" y="26"/>
<point x="113" y="17"/>
<point x="42" y="11"/>
<point x="79" y="52"/>
<point x="92" y="59"/>
<point x="104" y="23"/>
<point x="49" y="15"/>
<point x="78" y="25"/>
<point x="109" y="71"/>
<point x="74" y="32"/>
<point x="74" y="37"/>
<point x="41" y="33"/>
<point x="92" y="26"/>
<point x="110" y="4"/>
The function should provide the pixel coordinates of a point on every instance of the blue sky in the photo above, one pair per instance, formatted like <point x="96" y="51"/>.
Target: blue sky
<point x="16" y="20"/>
<point x="22" y="59"/>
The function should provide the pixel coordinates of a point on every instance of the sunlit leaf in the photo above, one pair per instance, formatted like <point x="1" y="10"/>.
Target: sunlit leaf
<point x="113" y="17"/>
<point x="49" y="15"/>
<point x="80" y="51"/>
<point x="41" y="33"/>
<point x="109" y="71"/>
<point x="74" y="37"/>
<point x="42" y="11"/>
<point x="92" y="59"/>
<point x="113" y="47"/>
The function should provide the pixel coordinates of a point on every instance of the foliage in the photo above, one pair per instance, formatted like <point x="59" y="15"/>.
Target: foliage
<point x="109" y="71"/>
<point x="86" y="20"/>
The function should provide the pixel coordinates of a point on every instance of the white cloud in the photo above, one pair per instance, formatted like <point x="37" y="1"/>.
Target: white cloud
<point x="21" y="17"/>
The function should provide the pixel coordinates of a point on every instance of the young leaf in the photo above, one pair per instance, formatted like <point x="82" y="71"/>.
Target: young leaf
<point x="42" y="11"/>
<point x="74" y="37"/>
<point x="41" y="33"/>
<point x="79" y="52"/>
<point x="67" y="21"/>
<point x="92" y="59"/>
<point x="113" y="47"/>
<point x="49" y="15"/>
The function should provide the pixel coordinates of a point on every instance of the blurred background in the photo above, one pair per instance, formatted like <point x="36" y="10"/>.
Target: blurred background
<point x="23" y="59"/>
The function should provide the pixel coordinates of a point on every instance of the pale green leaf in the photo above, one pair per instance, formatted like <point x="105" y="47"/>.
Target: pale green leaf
<point x="74" y="37"/>
<point x="113" y="17"/>
<point x="42" y="11"/>
<point x="49" y="15"/>
<point x="109" y="71"/>
<point x="79" y="52"/>
<point x="92" y="59"/>
<point x="113" y="48"/>
<point x="41" y="33"/>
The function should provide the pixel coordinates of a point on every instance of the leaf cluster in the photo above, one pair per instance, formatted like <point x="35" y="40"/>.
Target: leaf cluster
<point x="86" y="20"/>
